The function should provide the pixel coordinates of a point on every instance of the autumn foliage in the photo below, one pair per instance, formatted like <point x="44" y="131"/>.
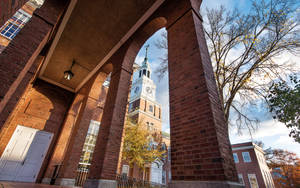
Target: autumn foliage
<point x="140" y="146"/>
<point x="285" y="168"/>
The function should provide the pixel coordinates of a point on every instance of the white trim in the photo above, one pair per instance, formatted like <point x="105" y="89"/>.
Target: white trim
<point x="242" y="148"/>
<point x="249" y="147"/>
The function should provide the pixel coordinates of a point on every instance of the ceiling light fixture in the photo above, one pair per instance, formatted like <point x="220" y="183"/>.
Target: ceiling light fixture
<point x="68" y="75"/>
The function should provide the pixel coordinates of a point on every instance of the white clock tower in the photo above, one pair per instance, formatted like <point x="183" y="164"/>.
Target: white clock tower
<point x="144" y="109"/>
<point x="142" y="85"/>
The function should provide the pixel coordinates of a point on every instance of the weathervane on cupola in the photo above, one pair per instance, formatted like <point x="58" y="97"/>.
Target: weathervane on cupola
<point x="146" y="56"/>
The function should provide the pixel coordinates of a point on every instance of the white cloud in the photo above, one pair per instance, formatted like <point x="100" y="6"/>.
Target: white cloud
<point x="272" y="133"/>
<point x="139" y="59"/>
<point x="215" y="3"/>
<point x="167" y="130"/>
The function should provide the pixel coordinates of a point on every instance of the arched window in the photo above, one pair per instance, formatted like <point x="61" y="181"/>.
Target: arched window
<point x="150" y="108"/>
<point x="140" y="74"/>
<point x="144" y="72"/>
<point x="148" y="74"/>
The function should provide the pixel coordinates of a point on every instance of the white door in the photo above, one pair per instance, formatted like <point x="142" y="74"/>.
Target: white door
<point x="24" y="154"/>
<point x="156" y="173"/>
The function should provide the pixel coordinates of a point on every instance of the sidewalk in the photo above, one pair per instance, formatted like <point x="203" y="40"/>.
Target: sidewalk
<point x="4" y="184"/>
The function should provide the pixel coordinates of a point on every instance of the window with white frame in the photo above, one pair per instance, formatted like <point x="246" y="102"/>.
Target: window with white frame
<point x="236" y="158"/>
<point x="89" y="143"/>
<point x="241" y="179"/>
<point x="246" y="157"/>
<point x="125" y="170"/>
<point x="253" y="181"/>
<point x="15" y="24"/>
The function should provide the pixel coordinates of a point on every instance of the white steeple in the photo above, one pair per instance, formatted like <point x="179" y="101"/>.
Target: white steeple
<point x="145" y="68"/>
<point x="142" y="85"/>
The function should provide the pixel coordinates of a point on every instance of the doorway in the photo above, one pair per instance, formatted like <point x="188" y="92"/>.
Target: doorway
<point x="24" y="154"/>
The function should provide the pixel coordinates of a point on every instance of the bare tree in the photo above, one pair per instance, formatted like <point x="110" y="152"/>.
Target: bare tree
<point x="243" y="50"/>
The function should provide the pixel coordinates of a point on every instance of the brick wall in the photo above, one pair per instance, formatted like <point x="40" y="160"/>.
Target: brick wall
<point x="246" y="168"/>
<point x="91" y="99"/>
<point x="19" y="56"/>
<point x="43" y="106"/>
<point x="8" y="9"/>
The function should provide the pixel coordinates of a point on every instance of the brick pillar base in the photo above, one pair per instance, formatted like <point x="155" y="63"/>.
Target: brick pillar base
<point x="90" y="183"/>
<point x="204" y="184"/>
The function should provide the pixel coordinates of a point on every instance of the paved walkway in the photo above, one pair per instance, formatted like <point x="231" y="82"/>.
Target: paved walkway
<point x="27" y="185"/>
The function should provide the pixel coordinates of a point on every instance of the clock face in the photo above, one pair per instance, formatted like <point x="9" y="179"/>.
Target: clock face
<point x="149" y="90"/>
<point x="136" y="89"/>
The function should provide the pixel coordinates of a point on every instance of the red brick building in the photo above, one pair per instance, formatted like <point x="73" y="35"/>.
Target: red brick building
<point x="251" y="166"/>
<point x="51" y="77"/>
<point x="11" y="28"/>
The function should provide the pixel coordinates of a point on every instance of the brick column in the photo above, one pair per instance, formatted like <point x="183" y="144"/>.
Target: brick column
<point x="63" y="141"/>
<point x="201" y="154"/>
<point x="18" y="57"/>
<point x="106" y="154"/>
<point x="87" y="106"/>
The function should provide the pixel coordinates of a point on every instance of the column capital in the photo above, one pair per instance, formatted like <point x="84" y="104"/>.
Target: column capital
<point x="174" y="10"/>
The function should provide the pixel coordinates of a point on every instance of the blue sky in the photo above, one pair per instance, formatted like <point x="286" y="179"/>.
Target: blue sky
<point x="273" y="134"/>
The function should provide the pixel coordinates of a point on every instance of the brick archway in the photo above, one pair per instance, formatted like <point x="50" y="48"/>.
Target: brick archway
<point x="88" y="105"/>
<point x="201" y="152"/>
<point x="104" y="164"/>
